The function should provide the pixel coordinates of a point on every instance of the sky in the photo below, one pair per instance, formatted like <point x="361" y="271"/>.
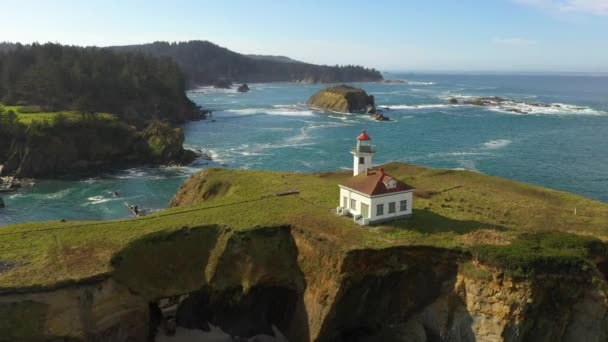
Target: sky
<point x="390" y="35"/>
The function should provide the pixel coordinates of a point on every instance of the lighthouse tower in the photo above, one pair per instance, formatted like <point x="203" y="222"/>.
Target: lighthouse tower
<point x="362" y="153"/>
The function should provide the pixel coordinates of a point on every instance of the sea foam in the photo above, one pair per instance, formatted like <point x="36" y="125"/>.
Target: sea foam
<point x="496" y="144"/>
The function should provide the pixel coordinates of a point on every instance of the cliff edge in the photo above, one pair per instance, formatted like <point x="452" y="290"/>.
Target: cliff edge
<point x="482" y="259"/>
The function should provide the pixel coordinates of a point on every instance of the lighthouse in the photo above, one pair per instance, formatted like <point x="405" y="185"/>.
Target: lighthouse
<point x="372" y="195"/>
<point x="362" y="153"/>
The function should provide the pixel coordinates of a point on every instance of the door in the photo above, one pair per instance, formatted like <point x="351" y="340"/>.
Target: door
<point x="364" y="210"/>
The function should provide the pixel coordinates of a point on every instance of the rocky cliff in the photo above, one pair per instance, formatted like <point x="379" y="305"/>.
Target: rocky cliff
<point x="343" y="99"/>
<point x="310" y="289"/>
<point x="235" y="254"/>
<point x="71" y="147"/>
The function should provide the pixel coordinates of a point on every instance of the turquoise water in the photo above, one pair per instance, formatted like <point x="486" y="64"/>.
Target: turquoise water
<point x="563" y="147"/>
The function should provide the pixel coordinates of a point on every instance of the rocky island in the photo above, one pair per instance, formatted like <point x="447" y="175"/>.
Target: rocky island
<point x="345" y="99"/>
<point x="482" y="258"/>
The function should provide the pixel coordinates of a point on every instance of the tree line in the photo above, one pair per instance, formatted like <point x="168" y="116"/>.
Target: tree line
<point x="133" y="86"/>
<point x="204" y="63"/>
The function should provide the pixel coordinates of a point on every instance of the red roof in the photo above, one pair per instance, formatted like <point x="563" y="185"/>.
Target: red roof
<point x="364" y="136"/>
<point x="373" y="183"/>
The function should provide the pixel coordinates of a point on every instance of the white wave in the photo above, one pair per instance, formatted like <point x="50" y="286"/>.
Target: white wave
<point x="16" y="195"/>
<point x="514" y="107"/>
<point x="520" y="108"/>
<point x="138" y="174"/>
<point x="291" y="112"/>
<point x="496" y="144"/>
<point x="58" y="194"/>
<point x="98" y="200"/>
<point x="246" y="111"/>
<point x="456" y="154"/>
<point x="413" y="107"/>
<point x="216" y="156"/>
<point x="448" y="95"/>
<point x="212" y="90"/>
<point x="284" y="110"/>
<point x="420" y="83"/>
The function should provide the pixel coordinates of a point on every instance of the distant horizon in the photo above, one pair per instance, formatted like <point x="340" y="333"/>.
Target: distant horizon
<point x="539" y="36"/>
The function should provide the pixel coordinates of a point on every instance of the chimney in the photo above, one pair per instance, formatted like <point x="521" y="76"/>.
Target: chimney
<point x="382" y="170"/>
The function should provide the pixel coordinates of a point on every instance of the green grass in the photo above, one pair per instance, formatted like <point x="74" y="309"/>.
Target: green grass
<point x="532" y="254"/>
<point x="466" y="210"/>
<point x="30" y="114"/>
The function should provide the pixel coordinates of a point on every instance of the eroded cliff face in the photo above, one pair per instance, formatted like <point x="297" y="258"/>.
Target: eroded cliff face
<point x="309" y="287"/>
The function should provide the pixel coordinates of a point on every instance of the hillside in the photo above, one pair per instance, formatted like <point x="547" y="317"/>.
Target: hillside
<point x="204" y="63"/>
<point x="132" y="86"/>
<point x="482" y="258"/>
<point x="283" y="59"/>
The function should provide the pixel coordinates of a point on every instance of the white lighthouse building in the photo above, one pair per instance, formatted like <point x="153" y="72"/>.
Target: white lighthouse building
<point x="371" y="195"/>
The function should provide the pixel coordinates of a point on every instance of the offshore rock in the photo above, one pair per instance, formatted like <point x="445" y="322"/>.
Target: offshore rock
<point x="243" y="88"/>
<point x="343" y="99"/>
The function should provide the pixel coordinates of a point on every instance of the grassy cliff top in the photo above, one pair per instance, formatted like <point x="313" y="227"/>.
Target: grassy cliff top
<point x="343" y="89"/>
<point x="30" y="114"/>
<point x="452" y="209"/>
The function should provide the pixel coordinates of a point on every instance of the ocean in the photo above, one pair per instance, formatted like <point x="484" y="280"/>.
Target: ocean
<point x="563" y="146"/>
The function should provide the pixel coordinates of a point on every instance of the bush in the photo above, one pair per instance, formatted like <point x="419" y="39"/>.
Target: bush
<point x="541" y="253"/>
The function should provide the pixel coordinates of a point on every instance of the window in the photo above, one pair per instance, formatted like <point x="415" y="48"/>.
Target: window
<point x="345" y="202"/>
<point x="353" y="204"/>
<point x="379" y="209"/>
<point x="361" y="160"/>
<point x="403" y="206"/>
<point x="391" y="208"/>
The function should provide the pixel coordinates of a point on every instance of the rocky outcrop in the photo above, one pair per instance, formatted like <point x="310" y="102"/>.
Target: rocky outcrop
<point x="99" y="311"/>
<point x="343" y="99"/>
<point x="394" y="82"/>
<point x="165" y="144"/>
<point x="379" y="116"/>
<point x="243" y="88"/>
<point x="484" y="101"/>
<point x="81" y="147"/>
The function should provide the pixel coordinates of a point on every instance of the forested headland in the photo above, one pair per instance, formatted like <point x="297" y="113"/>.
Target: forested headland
<point x="204" y="63"/>
<point x="66" y="109"/>
<point x="133" y="86"/>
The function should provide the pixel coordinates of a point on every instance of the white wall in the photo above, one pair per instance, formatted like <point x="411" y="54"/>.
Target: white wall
<point x="357" y="197"/>
<point x="358" y="168"/>
<point x="372" y="202"/>
<point x="396" y="198"/>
